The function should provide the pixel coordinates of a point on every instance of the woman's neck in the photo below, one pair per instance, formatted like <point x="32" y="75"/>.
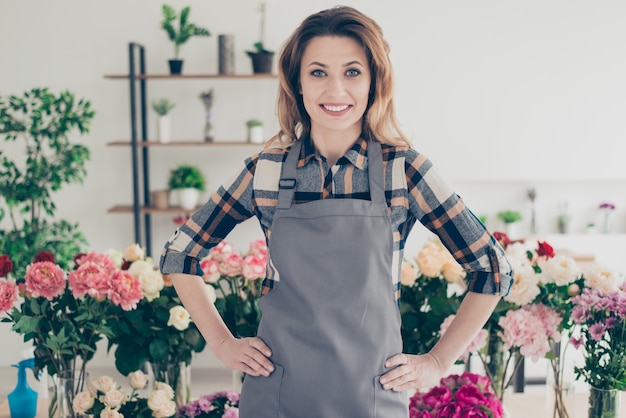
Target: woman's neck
<point x="334" y="145"/>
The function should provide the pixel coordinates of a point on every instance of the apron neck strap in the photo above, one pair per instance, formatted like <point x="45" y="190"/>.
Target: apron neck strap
<point x="289" y="178"/>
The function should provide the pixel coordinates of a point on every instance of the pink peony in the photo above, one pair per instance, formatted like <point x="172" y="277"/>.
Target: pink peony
<point x="253" y="267"/>
<point x="45" y="279"/>
<point x="89" y="279"/>
<point x="125" y="290"/>
<point x="8" y="294"/>
<point x="104" y="260"/>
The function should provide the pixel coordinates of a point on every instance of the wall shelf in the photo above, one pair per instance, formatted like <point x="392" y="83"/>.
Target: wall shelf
<point x="151" y="210"/>
<point x="183" y="143"/>
<point x="188" y="76"/>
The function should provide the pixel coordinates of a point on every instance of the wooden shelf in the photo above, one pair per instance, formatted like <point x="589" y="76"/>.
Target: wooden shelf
<point x="189" y="76"/>
<point x="151" y="210"/>
<point x="185" y="143"/>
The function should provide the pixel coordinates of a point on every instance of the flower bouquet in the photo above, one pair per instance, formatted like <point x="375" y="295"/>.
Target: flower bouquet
<point x="429" y="294"/>
<point x="223" y="404"/>
<point x="159" y="333"/>
<point x="106" y="399"/>
<point x="236" y="280"/>
<point x="65" y="315"/>
<point x="467" y="395"/>
<point x="601" y="317"/>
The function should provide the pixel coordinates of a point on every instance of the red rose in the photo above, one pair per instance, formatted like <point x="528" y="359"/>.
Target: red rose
<point x="544" y="249"/>
<point x="502" y="238"/>
<point x="77" y="258"/>
<point x="6" y="266"/>
<point x="44" y="256"/>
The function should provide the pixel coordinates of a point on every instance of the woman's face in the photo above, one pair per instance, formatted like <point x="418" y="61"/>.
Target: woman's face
<point x="335" y="83"/>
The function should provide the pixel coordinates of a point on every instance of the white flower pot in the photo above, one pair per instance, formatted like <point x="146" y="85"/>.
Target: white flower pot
<point x="255" y="135"/>
<point x="188" y="198"/>
<point x="164" y="128"/>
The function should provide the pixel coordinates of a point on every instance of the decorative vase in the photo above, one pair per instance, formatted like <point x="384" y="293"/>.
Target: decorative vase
<point x="164" y="128"/>
<point x="226" y="54"/>
<point x="188" y="198"/>
<point x="177" y="375"/>
<point x="560" y="399"/>
<point x="62" y="388"/>
<point x="604" y="403"/>
<point x="255" y="134"/>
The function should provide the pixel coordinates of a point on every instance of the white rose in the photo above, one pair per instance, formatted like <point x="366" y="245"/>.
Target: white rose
<point x="151" y="284"/>
<point x="105" y="384"/>
<point x="165" y="388"/>
<point x="169" y="409"/>
<point x="525" y="286"/>
<point x="158" y="402"/>
<point x="113" y="398"/>
<point x="561" y="270"/>
<point x="82" y="402"/>
<point x="110" y="413"/>
<point x="133" y="253"/>
<point x="179" y="318"/>
<point x="138" y="379"/>
<point x="407" y="274"/>
<point x="211" y="292"/>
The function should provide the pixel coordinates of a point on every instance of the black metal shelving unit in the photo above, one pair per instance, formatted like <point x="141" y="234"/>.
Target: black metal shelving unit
<point x="137" y="84"/>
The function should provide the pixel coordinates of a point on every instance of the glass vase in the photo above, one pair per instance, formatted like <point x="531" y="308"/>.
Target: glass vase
<point x="561" y="396"/>
<point x="176" y="375"/>
<point x="495" y="364"/>
<point x="604" y="403"/>
<point x="62" y="388"/>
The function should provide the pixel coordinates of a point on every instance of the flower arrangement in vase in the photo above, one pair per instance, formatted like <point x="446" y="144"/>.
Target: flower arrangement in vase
<point x="222" y="404"/>
<point x="66" y="314"/>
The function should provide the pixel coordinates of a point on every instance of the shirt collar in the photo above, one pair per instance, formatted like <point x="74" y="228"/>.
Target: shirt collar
<point x="357" y="154"/>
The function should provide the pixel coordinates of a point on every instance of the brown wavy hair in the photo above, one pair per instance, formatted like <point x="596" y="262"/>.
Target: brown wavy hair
<point x="379" y="121"/>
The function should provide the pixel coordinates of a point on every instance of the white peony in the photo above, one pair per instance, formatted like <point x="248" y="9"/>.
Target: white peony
<point x="151" y="284"/>
<point x="561" y="270"/>
<point x="133" y="252"/>
<point x="602" y="278"/>
<point x="525" y="286"/>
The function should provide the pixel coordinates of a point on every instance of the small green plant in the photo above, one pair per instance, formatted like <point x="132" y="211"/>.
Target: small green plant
<point x="510" y="216"/>
<point x="259" y="47"/>
<point x="185" y="30"/>
<point x="251" y="123"/>
<point x="186" y="176"/>
<point x="162" y="106"/>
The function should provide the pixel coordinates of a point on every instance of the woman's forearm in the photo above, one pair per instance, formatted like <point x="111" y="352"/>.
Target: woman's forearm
<point x="195" y="297"/>
<point x="473" y="313"/>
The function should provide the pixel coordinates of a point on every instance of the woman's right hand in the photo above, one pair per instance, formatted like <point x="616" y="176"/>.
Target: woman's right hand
<point x="250" y="355"/>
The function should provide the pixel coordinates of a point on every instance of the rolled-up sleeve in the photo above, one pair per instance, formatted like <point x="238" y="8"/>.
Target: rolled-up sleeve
<point x="230" y="205"/>
<point x="444" y="213"/>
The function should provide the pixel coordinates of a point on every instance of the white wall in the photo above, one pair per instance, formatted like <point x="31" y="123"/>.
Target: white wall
<point x="501" y="95"/>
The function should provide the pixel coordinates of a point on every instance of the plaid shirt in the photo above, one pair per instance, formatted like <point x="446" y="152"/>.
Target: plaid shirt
<point x="413" y="189"/>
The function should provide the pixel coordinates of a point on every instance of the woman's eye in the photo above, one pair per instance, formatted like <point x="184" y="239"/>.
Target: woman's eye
<point x="352" y="73"/>
<point x="318" y="73"/>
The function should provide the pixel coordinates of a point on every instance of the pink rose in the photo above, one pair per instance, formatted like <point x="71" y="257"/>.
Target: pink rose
<point x="253" y="267"/>
<point x="45" y="279"/>
<point x="474" y="411"/>
<point x="231" y="265"/>
<point x="469" y="395"/>
<point x="221" y="251"/>
<point x="437" y="396"/>
<point x="258" y="247"/>
<point x="89" y="279"/>
<point x="211" y="269"/>
<point x="8" y="294"/>
<point x="450" y="410"/>
<point x="125" y="290"/>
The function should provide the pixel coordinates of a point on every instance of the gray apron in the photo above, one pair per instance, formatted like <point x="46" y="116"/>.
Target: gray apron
<point x="332" y="320"/>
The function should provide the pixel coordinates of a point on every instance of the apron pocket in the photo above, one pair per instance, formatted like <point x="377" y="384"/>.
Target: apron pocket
<point x="260" y="395"/>
<point x="389" y="404"/>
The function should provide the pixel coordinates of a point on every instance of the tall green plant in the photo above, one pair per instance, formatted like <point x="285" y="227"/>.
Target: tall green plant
<point x="185" y="30"/>
<point x="42" y="122"/>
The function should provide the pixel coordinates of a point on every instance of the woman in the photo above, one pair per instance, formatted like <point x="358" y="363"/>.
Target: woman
<point x="336" y="198"/>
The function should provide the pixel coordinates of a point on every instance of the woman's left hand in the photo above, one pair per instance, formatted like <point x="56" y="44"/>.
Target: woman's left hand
<point x="411" y="372"/>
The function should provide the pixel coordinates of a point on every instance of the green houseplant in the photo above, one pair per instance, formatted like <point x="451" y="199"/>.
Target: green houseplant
<point x="187" y="181"/>
<point x="42" y="122"/>
<point x="186" y="30"/>
<point x="509" y="216"/>
<point x="162" y="108"/>
<point x="261" y="57"/>
<point x="255" y="130"/>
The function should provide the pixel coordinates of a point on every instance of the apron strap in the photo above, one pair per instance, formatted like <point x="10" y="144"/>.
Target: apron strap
<point x="288" y="176"/>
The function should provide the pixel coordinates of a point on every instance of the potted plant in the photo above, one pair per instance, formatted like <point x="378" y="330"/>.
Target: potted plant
<point x="511" y="219"/>
<point x="185" y="31"/>
<point x="162" y="108"/>
<point x="42" y="122"/>
<point x="187" y="181"/>
<point x="261" y="57"/>
<point x="255" y="131"/>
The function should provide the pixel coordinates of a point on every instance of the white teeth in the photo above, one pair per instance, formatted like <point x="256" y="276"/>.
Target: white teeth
<point x="335" y="108"/>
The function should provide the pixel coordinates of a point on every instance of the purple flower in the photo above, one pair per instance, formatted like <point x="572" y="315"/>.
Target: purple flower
<point x="597" y="331"/>
<point x="576" y="342"/>
<point x="607" y="206"/>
